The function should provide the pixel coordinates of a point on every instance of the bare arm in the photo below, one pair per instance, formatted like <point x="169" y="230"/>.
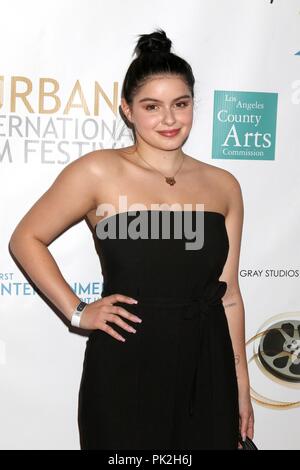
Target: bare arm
<point x="67" y="201"/>
<point x="232" y="300"/>
<point x="234" y="307"/>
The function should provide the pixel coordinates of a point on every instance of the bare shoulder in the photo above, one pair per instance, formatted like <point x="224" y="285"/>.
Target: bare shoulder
<point x="95" y="161"/>
<point x="224" y="186"/>
<point x="230" y="189"/>
<point x="71" y="196"/>
<point x="223" y="177"/>
<point x="227" y="179"/>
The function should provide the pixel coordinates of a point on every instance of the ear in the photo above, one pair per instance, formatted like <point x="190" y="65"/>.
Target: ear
<point x="126" y="109"/>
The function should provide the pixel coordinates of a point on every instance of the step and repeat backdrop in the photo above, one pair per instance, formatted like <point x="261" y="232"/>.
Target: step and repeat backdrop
<point x="61" y="70"/>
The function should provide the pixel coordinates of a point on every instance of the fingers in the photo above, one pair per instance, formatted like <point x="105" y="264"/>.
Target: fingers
<point x="110" y="299"/>
<point x="244" y="427"/>
<point x="108" y="329"/>
<point x="250" y="429"/>
<point x="116" y="309"/>
<point x="112" y="313"/>
<point x="247" y="425"/>
<point x="112" y="317"/>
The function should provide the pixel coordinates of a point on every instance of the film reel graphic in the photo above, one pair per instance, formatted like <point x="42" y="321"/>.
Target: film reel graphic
<point x="278" y="353"/>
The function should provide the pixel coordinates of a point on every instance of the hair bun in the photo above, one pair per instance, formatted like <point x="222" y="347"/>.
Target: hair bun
<point x="154" y="42"/>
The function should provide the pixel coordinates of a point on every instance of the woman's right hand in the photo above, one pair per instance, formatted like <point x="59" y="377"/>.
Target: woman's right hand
<point x="96" y="314"/>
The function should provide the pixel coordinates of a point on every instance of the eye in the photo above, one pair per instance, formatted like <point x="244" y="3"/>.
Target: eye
<point x="180" y="104"/>
<point x="184" y="103"/>
<point x="150" y="106"/>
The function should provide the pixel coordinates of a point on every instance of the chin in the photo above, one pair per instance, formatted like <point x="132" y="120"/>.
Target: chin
<point x="174" y="142"/>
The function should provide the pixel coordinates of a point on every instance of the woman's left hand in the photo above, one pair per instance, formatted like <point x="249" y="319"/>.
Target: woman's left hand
<point x="246" y="414"/>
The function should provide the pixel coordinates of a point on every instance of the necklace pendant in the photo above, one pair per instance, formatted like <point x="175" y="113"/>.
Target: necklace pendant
<point x="170" y="180"/>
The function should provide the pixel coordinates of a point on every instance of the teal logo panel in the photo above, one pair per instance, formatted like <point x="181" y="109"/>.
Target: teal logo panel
<point x="244" y="125"/>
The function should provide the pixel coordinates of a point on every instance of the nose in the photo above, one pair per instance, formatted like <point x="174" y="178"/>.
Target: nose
<point x="168" y="117"/>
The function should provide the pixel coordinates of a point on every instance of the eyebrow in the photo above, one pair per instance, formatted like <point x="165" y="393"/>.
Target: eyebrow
<point x="158" y="101"/>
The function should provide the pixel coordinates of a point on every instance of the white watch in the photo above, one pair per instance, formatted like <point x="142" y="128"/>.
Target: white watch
<point x="76" y="315"/>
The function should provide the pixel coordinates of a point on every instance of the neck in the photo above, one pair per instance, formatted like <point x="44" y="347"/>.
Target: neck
<point x="166" y="161"/>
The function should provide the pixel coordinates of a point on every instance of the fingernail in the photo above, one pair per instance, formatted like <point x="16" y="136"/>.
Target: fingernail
<point x="134" y="301"/>
<point x="244" y="437"/>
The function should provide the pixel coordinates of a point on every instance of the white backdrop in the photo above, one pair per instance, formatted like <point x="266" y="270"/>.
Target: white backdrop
<point x="51" y="58"/>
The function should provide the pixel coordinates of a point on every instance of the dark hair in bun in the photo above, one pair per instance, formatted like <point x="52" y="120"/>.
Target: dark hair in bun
<point x="154" y="42"/>
<point x="154" y="57"/>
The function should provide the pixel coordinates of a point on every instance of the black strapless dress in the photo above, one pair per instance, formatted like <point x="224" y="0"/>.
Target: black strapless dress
<point x="172" y="384"/>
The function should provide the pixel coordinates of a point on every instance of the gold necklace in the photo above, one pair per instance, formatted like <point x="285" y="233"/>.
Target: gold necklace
<point x="169" y="179"/>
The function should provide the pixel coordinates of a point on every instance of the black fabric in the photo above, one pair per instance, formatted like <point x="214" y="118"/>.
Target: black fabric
<point x="247" y="444"/>
<point x="172" y="384"/>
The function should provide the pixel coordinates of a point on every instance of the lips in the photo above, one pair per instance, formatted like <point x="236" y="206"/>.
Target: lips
<point x="169" y="133"/>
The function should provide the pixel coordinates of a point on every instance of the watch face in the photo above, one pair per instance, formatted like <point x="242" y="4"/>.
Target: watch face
<point x="81" y="306"/>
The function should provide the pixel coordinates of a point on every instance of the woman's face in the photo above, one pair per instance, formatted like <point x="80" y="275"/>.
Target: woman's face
<point x="163" y="103"/>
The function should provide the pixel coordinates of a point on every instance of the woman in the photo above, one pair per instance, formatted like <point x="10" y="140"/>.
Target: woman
<point x="180" y="381"/>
